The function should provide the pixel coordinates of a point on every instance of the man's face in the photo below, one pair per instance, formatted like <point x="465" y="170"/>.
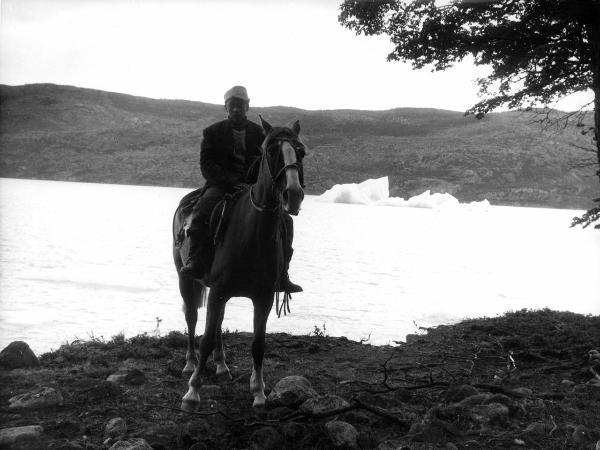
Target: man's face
<point x="236" y="109"/>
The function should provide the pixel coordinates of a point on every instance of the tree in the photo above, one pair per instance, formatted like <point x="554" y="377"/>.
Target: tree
<point x="538" y="50"/>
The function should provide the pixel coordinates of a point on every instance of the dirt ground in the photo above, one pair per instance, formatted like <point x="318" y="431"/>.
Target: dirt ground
<point x="534" y="367"/>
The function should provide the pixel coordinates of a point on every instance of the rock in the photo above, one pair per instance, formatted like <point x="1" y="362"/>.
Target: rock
<point x="294" y="431"/>
<point x="523" y="391"/>
<point x="128" y="375"/>
<point x="116" y="427"/>
<point x="567" y="383"/>
<point x="430" y="430"/>
<point x="518" y="441"/>
<point x="266" y="438"/>
<point x="455" y="394"/>
<point x="131" y="444"/>
<point x="342" y="434"/>
<point x="280" y="412"/>
<point x="40" y="398"/>
<point x="491" y="412"/>
<point x="393" y="445"/>
<point x="18" y="435"/>
<point x="18" y="354"/>
<point x="290" y="391"/>
<point x="473" y="400"/>
<point x="581" y="435"/>
<point x="102" y="390"/>
<point x="597" y="445"/>
<point x="323" y="404"/>
<point x="366" y="439"/>
<point x="535" y="429"/>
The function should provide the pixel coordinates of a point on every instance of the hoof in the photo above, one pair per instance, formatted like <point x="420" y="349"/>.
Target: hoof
<point x="259" y="402"/>
<point x="188" y="370"/>
<point x="190" y="406"/>
<point x="191" y="401"/>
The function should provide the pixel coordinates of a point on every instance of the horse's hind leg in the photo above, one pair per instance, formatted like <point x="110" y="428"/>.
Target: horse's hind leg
<point x="192" y="296"/>
<point x="219" y="353"/>
<point x="262" y="308"/>
<point x="214" y="311"/>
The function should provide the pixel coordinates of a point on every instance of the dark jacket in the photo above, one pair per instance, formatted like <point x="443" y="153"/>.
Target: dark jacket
<point x="217" y="160"/>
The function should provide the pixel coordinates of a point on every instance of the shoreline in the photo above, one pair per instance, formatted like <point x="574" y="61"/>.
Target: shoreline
<point x="521" y="380"/>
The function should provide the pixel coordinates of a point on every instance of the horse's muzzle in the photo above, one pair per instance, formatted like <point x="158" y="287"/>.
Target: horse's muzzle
<point x="292" y="199"/>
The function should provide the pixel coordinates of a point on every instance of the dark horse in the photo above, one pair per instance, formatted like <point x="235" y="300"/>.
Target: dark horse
<point x="248" y="259"/>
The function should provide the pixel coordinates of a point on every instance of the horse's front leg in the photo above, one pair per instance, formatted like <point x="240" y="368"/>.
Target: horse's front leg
<point x="190" y="309"/>
<point x="219" y="353"/>
<point x="214" y="310"/>
<point x="262" y="308"/>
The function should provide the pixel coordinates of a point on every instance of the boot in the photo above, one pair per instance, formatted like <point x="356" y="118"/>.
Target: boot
<point x="195" y="266"/>
<point x="286" y="285"/>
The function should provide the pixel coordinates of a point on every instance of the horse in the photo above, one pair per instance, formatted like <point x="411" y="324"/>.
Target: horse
<point x="248" y="259"/>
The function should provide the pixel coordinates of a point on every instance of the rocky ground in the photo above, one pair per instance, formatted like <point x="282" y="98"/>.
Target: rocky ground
<point x="526" y="380"/>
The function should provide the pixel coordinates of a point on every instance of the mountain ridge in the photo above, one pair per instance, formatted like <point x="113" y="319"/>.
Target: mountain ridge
<point x="69" y="133"/>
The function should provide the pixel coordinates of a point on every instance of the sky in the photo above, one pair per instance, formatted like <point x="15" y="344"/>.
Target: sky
<point x="292" y="53"/>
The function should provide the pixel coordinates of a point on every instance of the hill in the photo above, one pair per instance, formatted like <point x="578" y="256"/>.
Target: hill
<point x="74" y="134"/>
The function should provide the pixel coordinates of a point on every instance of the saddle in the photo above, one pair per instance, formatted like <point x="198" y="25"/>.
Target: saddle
<point x="218" y="219"/>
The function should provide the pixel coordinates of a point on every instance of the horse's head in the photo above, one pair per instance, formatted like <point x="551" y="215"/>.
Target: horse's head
<point x="284" y="153"/>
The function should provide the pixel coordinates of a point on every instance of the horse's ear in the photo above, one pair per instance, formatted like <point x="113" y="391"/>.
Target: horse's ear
<point x="296" y="127"/>
<point x="266" y="125"/>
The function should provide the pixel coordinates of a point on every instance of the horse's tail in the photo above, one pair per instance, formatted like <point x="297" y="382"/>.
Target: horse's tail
<point x="201" y="294"/>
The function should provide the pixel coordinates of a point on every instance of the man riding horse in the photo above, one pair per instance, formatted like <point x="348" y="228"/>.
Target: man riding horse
<point x="229" y="152"/>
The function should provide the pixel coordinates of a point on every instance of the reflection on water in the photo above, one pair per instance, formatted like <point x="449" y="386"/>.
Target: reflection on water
<point x="82" y="259"/>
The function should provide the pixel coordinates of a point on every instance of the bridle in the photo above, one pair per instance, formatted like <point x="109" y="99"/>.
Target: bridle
<point x="297" y="146"/>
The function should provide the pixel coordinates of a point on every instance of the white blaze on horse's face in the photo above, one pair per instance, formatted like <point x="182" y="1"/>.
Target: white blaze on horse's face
<point x="293" y="194"/>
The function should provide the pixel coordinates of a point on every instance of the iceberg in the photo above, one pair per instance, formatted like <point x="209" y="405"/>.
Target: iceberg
<point x="377" y="192"/>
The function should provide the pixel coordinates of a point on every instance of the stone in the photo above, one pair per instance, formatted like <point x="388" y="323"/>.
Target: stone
<point x="342" y="434"/>
<point x="457" y="393"/>
<point x="128" y="375"/>
<point x="16" y="355"/>
<point x="323" y="404"/>
<point x="131" y="444"/>
<point x="567" y="383"/>
<point x="266" y="438"/>
<point x="535" y="429"/>
<point x="523" y="391"/>
<point x="116" y="427"/>
<point x="391" y="444"/>
<point x="280" y="412"/>
<point x="19" y="435"/>
<point x="491" y="412"/>
<point x="290" y="391"/>
<point x="581" y="435"/>
<point x="294" y="431"/>
<point x="40" y="398"/>
<point x="102" y="390"/>
<point x="473" y="400"/>
<point x="430" y="430"/>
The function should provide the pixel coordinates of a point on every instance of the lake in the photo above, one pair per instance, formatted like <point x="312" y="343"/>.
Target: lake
<point x="83" y="260"/>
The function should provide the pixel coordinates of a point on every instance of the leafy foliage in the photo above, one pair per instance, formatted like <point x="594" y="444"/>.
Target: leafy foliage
<point x="538" y="50"/>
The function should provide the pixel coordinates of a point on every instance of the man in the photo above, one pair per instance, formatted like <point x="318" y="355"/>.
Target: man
<point x="229" y="149"/>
